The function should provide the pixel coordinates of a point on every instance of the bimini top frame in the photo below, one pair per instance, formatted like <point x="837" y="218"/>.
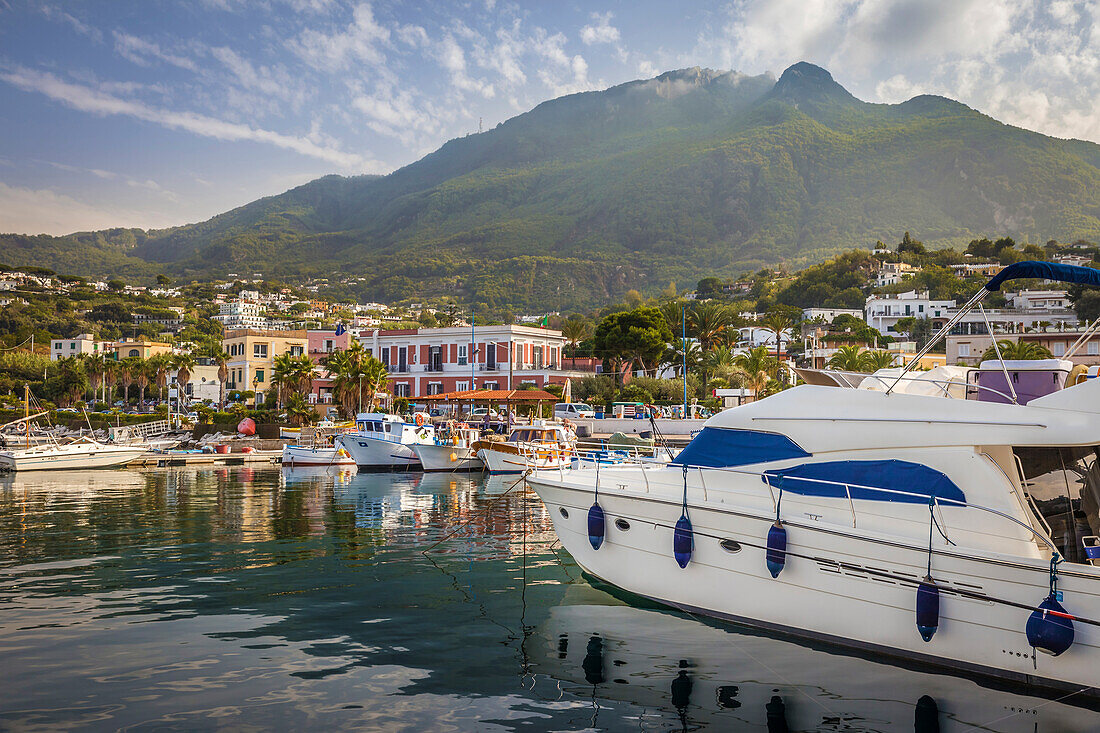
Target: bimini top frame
<point x="1017" y="271"/>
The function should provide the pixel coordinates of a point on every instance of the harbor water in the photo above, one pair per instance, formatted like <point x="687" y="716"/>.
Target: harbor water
<point x="293" y="599"/>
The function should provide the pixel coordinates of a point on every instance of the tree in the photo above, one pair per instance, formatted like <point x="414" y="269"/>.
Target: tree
<point x="357" y="377"/>
<point x="708" y="321"/>
<point x="754" y="368"/>
<point x="163" y="279"/>
<point x="874" y="360"/>
<point x="910" y="245"/>
<point x="299" y="410"/>
<point x="708" y="287"/>
<point x="574" y="331"/>
<point x="1017" y="350"/>
<point x="94" y="365"/>
<point x="636" y="336"/>
<point x="143" y="373"/>
<point x="779" y="320"/>
<point x="221" y="359"/>
<point x="183" y="364"/>
<point x="159" y="365"/>
<point x="847" y="358"/>
<point x="126" y="372"/>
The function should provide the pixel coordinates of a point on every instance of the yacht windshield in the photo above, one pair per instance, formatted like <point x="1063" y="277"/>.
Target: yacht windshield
<point x="1064" y="487"/>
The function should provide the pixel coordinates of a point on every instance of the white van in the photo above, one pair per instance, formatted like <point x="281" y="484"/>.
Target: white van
<point x="573" y="410"/>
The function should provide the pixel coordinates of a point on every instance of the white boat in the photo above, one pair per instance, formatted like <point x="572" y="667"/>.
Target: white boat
<point x="851" y="476"/>
<point x="539" y="446"/>
<point x="306" y="455"/>
<point x="382" y="440"/>
<point x="456" y="452"/>
<point x="961" y="533"/>
<point x="82" y="453"/>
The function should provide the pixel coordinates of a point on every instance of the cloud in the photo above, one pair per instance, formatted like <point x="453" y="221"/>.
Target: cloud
<point x="78" y="25"/>
<point x="140" y="51"/>
<point x="43" y="211"/>
<point x="94" y="101"/>
<point x="361" y="40"/>
<point x="453" y="59"/>
<point x="601" y="32"/>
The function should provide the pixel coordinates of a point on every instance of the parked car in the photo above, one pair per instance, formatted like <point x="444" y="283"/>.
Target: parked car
<point x="573" y="410"/>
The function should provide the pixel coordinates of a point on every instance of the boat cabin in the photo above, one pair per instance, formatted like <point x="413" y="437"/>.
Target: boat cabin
<point x="384" y="426"/>
<point x="552" y="434"/>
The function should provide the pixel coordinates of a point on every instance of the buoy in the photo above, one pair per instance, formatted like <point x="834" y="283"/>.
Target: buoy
<point x="776" y="554"/>
<point x="454" y="456"/>
<point x="928" y="608"/>
<point x="683" y="541"/>
<point x="1050" y="628"/>
<point x="596" y="527"/>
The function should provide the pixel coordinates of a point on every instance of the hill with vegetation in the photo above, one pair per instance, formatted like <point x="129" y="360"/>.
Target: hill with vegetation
<point x="590" y="195"/>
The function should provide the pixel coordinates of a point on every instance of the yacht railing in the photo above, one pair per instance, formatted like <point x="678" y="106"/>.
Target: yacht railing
<point x="944" y="384"/>
<point x="937" y="502"/>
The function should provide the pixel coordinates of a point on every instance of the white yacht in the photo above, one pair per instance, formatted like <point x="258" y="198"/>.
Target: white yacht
<point x="82" y="453"/>
<point x="455" y="452"/>
<point x="382" y="440"/>
<point x="958" y="532"/>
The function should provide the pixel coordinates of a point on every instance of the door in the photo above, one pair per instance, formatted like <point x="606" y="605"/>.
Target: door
<point x="402" y="359"/>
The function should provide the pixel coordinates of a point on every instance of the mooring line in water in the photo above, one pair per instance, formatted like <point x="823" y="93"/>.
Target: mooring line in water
<point x="479" y="515"/>
<point x="984" y="726"/>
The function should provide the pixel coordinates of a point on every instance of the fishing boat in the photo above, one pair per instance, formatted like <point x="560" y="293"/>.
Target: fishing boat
<point x="316" y="455"/>
<point x="382" y="440"/>
<point x="452" y="452"/>
<point x="538" y="446"/>
<point x="961" y="533"/>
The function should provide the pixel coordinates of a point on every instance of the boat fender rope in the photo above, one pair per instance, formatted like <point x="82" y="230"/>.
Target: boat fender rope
<point x="683" y="536"/>
<point x="928" y="593"/>
<point x="597" y="523"/>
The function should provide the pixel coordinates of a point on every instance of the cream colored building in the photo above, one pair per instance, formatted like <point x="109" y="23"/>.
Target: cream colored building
<point x="252" y="355"/>
<point x="141" y="348"/>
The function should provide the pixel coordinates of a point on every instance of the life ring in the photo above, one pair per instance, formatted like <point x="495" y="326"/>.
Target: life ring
<point x="419" y="419"/>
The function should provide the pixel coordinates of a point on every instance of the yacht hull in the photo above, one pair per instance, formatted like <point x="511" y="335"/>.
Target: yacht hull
<point x="374" y="453"/>
<point x="46" y="458"/>
<point x="839" y="585"/>
<point x="448" y="458"/>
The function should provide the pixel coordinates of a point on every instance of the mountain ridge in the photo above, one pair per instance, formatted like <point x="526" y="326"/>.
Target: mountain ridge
<point x="693" y="172"/>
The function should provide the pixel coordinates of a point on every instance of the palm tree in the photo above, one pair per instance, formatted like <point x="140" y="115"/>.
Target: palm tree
<point x="159" y="365"/>
<point x="575" y="331"/>
<point x="754" y="368"/>
<point x="708" y="320"/>
<point x="778" y="322"/>
<point x="127" y="369"/>
<point x="95" y="364"/>
<point x="847" y="359"/>
<point x="111" y="370"/>
<point x="298" y="409"/>
<point x="718" y="362"/>
<point x="674" y="357"/>
<point x="356" y="377"/>
<point x="283" y="376"/>
<point x="183" y="364"/>
<point x="1023" y="350"/>
<point x="874" y="360"/>
<point x="221" y="358"/>
<point x="142" y="373"/>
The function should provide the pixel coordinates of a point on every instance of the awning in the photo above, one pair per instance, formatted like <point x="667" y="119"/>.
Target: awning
<point x="492" y="395"/>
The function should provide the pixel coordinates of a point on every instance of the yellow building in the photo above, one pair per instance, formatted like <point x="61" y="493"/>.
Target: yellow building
<point x="252" y="354"/>
<point x="141" y="348"/>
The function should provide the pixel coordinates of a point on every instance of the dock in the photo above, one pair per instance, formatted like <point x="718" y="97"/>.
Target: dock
<point x="206" y="459"/>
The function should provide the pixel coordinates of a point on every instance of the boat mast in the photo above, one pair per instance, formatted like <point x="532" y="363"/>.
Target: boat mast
<point x="27" y="413"/>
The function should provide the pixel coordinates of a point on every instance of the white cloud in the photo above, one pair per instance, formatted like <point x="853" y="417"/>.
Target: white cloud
<point x="647" y="69"/>
<point x="43" y="211"/>
<point x="101" y="103"/>
<point x="453" y="59"/>
<point x="78" y="25"/>
<point x="601" y="32"/>
<point x="361" y="40"/>
<point x="140" y="51"/>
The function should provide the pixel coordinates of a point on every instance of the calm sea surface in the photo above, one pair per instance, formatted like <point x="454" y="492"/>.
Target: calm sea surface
<point x="244" y="598"/>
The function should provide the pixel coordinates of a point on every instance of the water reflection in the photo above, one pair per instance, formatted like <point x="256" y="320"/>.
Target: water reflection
<point x="176" y="598"/>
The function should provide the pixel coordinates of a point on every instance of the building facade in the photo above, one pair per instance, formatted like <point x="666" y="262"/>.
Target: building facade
<point x="140" y="348"/>
<point x="252" y="354"/>
<point x="429" y="361"/>
<point x="829" y="314"/>
<point x="85" y="343"/>
<point x="884" y="311"/>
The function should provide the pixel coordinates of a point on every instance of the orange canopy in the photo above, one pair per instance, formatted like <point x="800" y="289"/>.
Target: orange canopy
<point x="492" y="395"/>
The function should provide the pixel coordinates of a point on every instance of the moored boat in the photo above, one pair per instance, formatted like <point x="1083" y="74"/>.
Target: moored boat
<point x="454" y="452"/>
<point x="382" y="440"/>
<point x="83" y="453"/>
<point x="539" y="446"/>
<point x="307" y="455"/>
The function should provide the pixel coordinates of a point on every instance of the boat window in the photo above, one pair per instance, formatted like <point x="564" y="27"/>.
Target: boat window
<point x="1064" y="485"/>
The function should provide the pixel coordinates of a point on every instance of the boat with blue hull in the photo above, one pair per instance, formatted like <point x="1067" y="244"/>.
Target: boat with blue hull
<point x="962" y="533"/>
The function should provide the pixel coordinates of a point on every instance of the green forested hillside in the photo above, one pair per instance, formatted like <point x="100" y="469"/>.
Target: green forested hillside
<point x="661" y="180"/>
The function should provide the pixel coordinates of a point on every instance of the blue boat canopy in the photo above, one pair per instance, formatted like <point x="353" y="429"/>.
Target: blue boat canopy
<point x="726" y="447"/>
<point x="913" y="478"/>
<point x="1047" y="271"/>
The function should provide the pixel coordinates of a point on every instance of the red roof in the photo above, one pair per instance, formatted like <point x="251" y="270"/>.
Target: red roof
<point x="494" y="395"/>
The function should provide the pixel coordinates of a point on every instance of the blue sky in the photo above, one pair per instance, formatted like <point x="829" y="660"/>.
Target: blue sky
<point x="155" y="113"/>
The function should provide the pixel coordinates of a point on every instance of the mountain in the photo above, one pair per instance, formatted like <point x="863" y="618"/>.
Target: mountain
<point x="692" y="173"/>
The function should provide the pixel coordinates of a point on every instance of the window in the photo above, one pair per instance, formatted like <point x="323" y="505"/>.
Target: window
<point x="401" y="390"/>
<point x="259" y="375"/>
<point x="1058" y="349"/>
<point x="490" y="385"/>
<point x="964" y="349"/>
<point x="920" y="308"/>
<point x="1064" y="486"/>
<point x="259" y="351"/>
<point x="1093" y="348"/>
<point x="435" y="388"/>
<point x="328" y="344"/>
<point x="461" y="386"/>
<point x="134" y="352"/>
<point x="297" y="350"/>
<point x="462" y="354"/>
<point x="72" y="345"/>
